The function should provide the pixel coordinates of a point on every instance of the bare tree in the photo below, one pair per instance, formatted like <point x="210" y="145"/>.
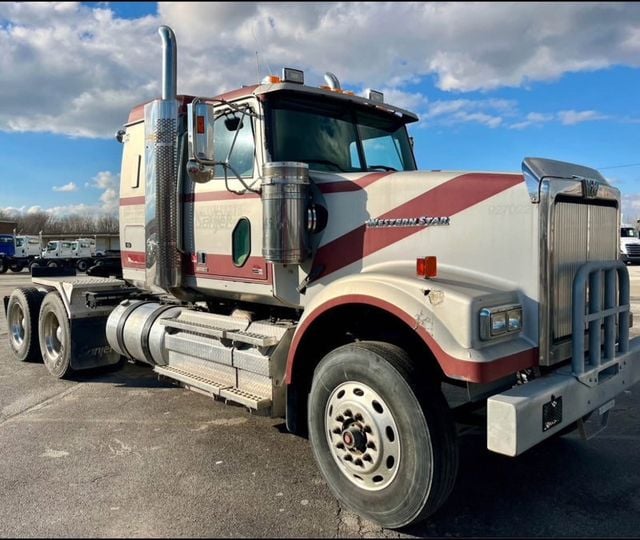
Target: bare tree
<point x="36" y="222"/>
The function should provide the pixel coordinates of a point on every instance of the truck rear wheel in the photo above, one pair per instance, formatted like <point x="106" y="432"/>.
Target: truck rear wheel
<point x="22" y="322"/>
<point x="384" y="440"/>
<point x="82" y="265"/>
<point x="3" y="266"/>
<point x="55" y="336"/>
<point x="16" y="267"/>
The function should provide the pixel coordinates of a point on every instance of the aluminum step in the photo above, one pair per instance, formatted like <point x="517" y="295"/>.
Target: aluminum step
<point x="214" y="388"/>
<point x="258" y="334"/>
<point x="252" y="338"/>
<point x="195" y="328"/>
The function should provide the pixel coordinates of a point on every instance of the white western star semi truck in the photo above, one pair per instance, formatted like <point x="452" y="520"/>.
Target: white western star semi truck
<point x="281" y="250"/>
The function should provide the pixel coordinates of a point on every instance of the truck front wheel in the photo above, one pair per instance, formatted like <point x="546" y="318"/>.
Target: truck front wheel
<point x="55" y="336"/>
<point x="383" y="438"/>
<point x="22" y="321"/>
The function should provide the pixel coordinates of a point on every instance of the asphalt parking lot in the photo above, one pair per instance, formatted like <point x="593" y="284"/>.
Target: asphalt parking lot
<point x="121" y="454"/>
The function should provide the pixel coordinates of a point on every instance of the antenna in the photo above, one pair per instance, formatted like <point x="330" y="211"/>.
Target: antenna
<point x="257" y="55"/>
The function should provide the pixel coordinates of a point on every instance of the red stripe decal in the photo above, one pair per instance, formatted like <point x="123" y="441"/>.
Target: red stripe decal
<point x="216" y="196"/>
<point x="480" y="372"/>
<point x="446" y="199"/>
<point x="355" y="185"/>
<point x="222" y="267"/>
<point x="128" y="201"/>
<point x="217" y="266"/>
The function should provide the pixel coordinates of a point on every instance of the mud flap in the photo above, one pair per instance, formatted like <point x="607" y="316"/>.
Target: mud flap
<point x="89" y="346"/>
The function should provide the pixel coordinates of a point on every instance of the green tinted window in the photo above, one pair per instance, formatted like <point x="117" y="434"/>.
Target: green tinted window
<point x="241" y="248"/>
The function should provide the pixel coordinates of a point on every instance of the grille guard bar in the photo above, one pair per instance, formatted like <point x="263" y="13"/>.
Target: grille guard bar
<point x="589" y="312"/>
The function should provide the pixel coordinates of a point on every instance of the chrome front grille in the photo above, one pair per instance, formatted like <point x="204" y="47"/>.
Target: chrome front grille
<point x="581" y="233"/>
<point x="633" y="250"/>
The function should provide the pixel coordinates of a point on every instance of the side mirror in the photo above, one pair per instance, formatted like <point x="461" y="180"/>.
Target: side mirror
<point x="200" y="165"/>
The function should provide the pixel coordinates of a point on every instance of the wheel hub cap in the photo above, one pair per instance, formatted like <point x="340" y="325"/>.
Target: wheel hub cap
<point x="362" y="435"/>
<point x="354" y="439"/>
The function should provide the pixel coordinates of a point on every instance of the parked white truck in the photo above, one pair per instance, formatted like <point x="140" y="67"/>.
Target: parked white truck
<point x="281" y="250"/>
<point x="629" y="244"/>
<point x="79" y="254"/>
<point x="18" y="251"/>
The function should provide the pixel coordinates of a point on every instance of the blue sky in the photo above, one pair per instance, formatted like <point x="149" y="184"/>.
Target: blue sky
<point x="491" y="82"/>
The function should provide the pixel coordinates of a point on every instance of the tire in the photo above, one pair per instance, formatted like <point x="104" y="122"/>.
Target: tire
<point x="32" y="265"/>
<point x="55" y="336"/>
<point x="369" y="393"/>
<point x="82" y="265"/>
<point x="3" y="266"/>
<point x="53" y="264"/>
<point x="16" y="267"/>
<point x="23" y="310"/>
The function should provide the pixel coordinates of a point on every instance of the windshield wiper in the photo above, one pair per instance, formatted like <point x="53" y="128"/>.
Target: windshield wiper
<point x="383" y="167"/>
<point x="324" y="162"/>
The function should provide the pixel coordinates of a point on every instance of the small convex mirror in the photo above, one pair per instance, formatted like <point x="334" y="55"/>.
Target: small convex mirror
<point x="200" y="165"/>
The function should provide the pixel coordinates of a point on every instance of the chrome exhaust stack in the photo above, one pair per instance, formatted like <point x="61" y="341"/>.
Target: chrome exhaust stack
<point x="163" y="270"/>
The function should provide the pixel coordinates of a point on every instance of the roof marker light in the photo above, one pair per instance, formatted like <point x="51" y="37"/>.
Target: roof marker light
<point x="293" y="75"/>
<point x="374" y="95"/>
<point x="271" y="79"/>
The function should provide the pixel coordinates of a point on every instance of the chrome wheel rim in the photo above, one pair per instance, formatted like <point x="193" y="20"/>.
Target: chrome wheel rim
<point x="17" y="325"/>
<point x="52" y="337"/>
<point x="362" y="435"/>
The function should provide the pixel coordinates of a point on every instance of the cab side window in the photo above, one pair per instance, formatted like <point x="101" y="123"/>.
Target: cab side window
<point x="239" y="153"/>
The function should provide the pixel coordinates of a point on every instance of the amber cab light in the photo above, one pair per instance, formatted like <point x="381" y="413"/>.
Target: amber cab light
<point x="426" y="267"/>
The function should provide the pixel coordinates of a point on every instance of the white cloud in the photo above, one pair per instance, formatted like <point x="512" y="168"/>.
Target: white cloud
<point x="71" y="186"/>
<point x="108" y="183"/>
<point x="489" y="112"/>
<point x="105" y="181"/>
<point x="630" y="207"/>
<point x="81" y="209"/>
<point x="533" y="119"/>
<point x="81" y="69"/>
<point x="570" y="118"/>
<point x="110" y="200"/>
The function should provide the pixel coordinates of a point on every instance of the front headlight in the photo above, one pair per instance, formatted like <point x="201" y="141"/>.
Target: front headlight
<point x="500" y="320"/>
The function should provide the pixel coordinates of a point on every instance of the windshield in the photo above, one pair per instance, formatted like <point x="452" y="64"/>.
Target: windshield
<point x="336" y="136"/>
<point x="6" y="240"/>
<point x="628" y="232"/>
<point x="19" y="242"/>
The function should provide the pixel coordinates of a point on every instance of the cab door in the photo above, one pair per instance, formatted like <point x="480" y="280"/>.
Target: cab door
<point x="223" y="217"/>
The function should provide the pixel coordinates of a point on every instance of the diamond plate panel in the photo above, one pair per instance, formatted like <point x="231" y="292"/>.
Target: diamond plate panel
<point x="203" y="368"/>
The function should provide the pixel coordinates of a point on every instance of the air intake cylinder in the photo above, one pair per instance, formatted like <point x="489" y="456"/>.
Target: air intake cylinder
<point x="285" y="202"/>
